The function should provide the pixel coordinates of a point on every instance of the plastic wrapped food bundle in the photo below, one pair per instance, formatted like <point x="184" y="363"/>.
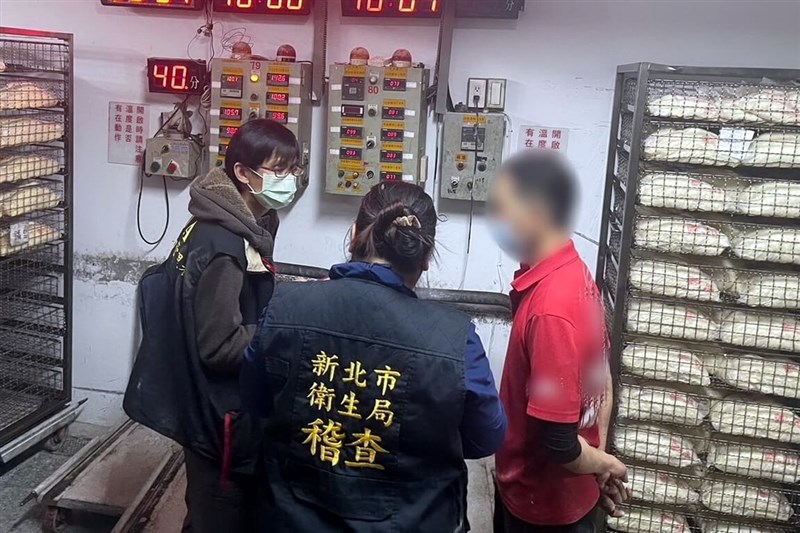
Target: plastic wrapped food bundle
<point x="20" y="131"/>
<point x="756" y="462"/>
<point x="773" y="150"/>
<point x="664" y="278"/>
<point x="649" y="521"/>
<point x="666" y="320"/>
<point x="776" y="244"/>
<point x="655" y="445"/>
<point x="687" y="107"/>
<point x="651" y="404"/>
<point x="27" y="199"/>
<point x="780" y="291"/>
<point x="664" y="363"/>
<point x="35" y="233"/>
<point x="26" y="95"/>
<point x="659" y="487"/>
<point x="686" y="145"/>
<point x="681" y="236"/>
<point x="769" y="199"/>
<point x="26" y="166"/>
<point x="727" y="527"/>
<point x="774" y="105"/>
<point x="761" y="330"/>
<point x="675" y="190"/>
<point x="753" y="373"/>
<point x="757" y="420"/>
<point x="744" y="500"/>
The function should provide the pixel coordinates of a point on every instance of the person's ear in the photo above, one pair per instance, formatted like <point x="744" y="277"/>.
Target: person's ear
<point x="352" y="238"/>
<point x="241" y="173"/>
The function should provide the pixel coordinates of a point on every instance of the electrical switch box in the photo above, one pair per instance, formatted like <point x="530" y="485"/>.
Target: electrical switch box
<point x="377" y="121"/>
<point x="473" y="152"/>
<point x="174" y="158"/>
<point x="247" y="89"/>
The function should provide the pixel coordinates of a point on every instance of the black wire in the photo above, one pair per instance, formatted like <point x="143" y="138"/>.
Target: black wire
<point x="139" y="211"/>
<point x="475" y="135"/>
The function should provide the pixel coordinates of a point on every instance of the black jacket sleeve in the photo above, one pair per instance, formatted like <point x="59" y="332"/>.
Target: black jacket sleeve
<point x="561" y="440"/>
<point x="220" y="334"/>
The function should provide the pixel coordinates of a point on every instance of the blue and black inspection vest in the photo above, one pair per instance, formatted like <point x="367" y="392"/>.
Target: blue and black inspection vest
<point x="368" y="397"/>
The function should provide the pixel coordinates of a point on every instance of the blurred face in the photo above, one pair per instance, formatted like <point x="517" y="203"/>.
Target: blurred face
<point x="519" y="222"/>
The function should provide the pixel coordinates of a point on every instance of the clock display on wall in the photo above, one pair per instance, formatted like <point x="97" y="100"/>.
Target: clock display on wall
<point x="164" y="4"/>
<point x="391" y="8"/>
<point x="263" y="7"/>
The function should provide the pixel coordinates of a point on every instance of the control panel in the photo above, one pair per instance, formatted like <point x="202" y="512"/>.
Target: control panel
<point x="377" y="126"/>
<point x="174" y="158"/>
<point x="473" y="152"/>
<point x="246" y="89"/>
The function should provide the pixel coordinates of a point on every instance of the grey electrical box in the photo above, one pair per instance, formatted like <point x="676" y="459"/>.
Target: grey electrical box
<point x="473" y="151"/>
<point x="377" y="124"/>
<point x="175" y="158"/>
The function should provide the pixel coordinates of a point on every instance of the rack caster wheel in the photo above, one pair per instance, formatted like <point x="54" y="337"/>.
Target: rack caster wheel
<point x="55" y="520"/>
<point x="56" y="441"/>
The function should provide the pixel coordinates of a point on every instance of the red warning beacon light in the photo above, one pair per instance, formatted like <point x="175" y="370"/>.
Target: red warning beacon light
<point x="401" y="58"/>
<point x="287" y="54"/>
<point x="359" y="56"/>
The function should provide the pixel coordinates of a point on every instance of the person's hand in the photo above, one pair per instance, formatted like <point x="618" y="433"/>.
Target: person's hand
<point x="613" y="491"/>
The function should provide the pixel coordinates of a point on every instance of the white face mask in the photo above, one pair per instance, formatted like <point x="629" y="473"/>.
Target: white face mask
<point x="276" y="192"/>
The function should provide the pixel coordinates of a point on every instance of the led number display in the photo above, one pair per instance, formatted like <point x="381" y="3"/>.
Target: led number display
<point x="392" y="135"/>
<point x="231" y="113"/>
<point x="176" y="76"/>
<point x="277" y="80"/>
<point x="391" y="8"/>
<point x="394" y="84"/>
<point x="391" y="176"/>
<point x="351" y="132"/>
<point x="390" y="156"/>
<point x="176" y="4"/>
<point x="263" y="7"/>
<point x="353" y="154"/>
<point x="226" y="132"/>
<point x="277" y="98"/>
<point x="394" y="113"/>
<point x="281" y="117"/>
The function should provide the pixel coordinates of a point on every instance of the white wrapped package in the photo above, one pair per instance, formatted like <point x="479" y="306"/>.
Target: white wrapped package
<point x="680" y="236"/>
<point x="719" y="527"/>
<point x="649" y="521"/>
<point x="733" y="110"/>
<point x="769" y="199"/>
<point x="663" y="278"/>
<point x="685" y="107"/>
<point x="750" y="461"/>
<point x="774" y="105"/>
<point x="666" y="320"/>
<point x="651" y="404"/>
<point x="753" y="373"/>
<point x="36" y="234"/>
<point x="675" y="190"/>
<point x="686" y="145"/>
<point x="759" y="421"/>
<point x="658" y="487"/>
<point x="775" y="244"/>
<point x="22" y="167"/>
<point x="756" y="330"/>
<point x="20" y="131"/>
<point x="655" y="445"/>
<point x="27" y="199"/>
<point x="773" y="150"/>
<point x="743" y="500"/>
<point x="664" y="363"/>
<point x="26" y="95"/>
<point x="780" y="291"/>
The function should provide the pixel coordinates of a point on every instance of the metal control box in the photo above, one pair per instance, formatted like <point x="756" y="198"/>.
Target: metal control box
<point x="175" y="158"/>
<point x="246" y="89"/>
<point x="377" y="126"/>
<point x="472" y="154"/>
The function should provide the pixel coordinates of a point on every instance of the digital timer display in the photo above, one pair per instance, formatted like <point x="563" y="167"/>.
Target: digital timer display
<point x="164" y="4"/>
<point x="391" y="135"/>
<point x="394" y="84"/>
<point x="351" y="132"/>
<point x="231" y="85"/>
<point x="281" y="117"/>
<point x="277" y="98"/>
<point x="353" y="154"/>
<point x="277" y="80"/>
<point x="226" y="132"/>
<point x="176" y="76"/>
<point x="394" y="113"/>
<point x="231" y="113"/>
<point x="353" y="111"/>
<point x="391" y="176"/>
<point x="263" y="7"/>
<point x="391" y="8"/>
<point x="388" y="156"/>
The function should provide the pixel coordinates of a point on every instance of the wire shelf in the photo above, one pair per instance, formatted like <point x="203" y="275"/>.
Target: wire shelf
<point x="28" y="162"/>
<point x="32" y="55"/>
<point x="31" y="92"/>
<point x="31" y="127"/>
<point x="30" y="232"/>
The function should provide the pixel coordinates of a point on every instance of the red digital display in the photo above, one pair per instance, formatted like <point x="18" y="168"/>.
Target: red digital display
<point x="226" y="132"/>
<point x="278" y="80"/>
<point x="350" y="153"/>
<point x="391" y="135"/>
<point x="351" y="132"/>
<point x="391" y="8"/>
<point x="394" y="84"/>
<point x="177" y="4"/>
<point x="396" y="113"/>
<point x="231" y="113"/>
<point x="391" y="157"/>
<point x="281" y="117"/>
<point x="277" y="98"/>
<point x="391" y="176"/>
<point x="263" y="7"/>
<point x="176" y="76"/>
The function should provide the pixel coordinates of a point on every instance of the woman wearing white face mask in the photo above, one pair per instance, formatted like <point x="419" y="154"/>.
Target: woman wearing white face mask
<point x="199" y="312"/>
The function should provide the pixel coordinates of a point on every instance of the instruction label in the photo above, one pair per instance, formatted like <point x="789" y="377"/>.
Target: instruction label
<point x="128" y="128"/>
<point x="543" y="138"/>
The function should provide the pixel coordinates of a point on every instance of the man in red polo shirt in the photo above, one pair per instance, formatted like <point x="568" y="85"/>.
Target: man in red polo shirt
<point x="556" y="386"/>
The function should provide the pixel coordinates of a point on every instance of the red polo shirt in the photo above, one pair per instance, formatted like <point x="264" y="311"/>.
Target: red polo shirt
<point x="555" y="370"/>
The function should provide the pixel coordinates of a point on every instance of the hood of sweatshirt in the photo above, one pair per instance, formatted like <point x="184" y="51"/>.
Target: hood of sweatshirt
<point x="214" y="198"/>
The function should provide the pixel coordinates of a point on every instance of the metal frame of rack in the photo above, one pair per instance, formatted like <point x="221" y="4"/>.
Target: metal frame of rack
<point x="681" y="265"/>
<point x="36" y="227"/>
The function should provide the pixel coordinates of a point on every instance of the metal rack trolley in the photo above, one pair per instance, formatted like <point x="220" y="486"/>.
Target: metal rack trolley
<point x="36" y="179"/>
<point x="699" y="267"/>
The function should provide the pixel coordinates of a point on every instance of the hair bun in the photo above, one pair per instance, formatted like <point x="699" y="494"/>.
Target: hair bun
<point x="400" y="236"/>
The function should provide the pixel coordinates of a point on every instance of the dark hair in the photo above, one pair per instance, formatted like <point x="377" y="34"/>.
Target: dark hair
<point x="547" y="177"/>
<point x="387" y="226"/>
<point x="258" y="141"/>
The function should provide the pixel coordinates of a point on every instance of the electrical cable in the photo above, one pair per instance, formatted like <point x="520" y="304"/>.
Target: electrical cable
<point x="139" y="210"/>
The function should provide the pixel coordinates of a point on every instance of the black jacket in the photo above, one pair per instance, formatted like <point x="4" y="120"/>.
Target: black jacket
<point x="368" y="394"/>
<point x="198" y="312"/>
